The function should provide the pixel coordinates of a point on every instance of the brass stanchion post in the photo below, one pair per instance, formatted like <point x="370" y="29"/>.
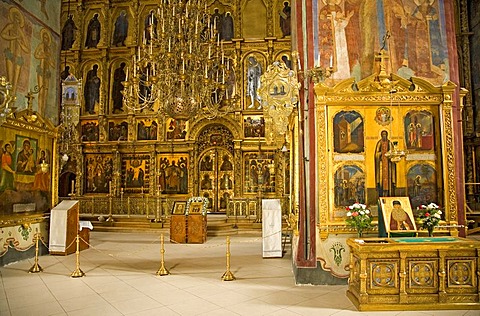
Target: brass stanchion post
<point x="162" y="270"/>
<point x="78" y="273"/>
<point x="36" y="267"/>
<point x="228" y="275"/>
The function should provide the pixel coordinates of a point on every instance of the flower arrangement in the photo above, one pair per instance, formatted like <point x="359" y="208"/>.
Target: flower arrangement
<point x="430" y="216"/>
<point x="358" y="217"/>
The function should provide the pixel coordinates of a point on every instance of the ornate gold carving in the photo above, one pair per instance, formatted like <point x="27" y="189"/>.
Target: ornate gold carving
<point x="461" y="272"/>
<point x="383" y="274"/>
<point x="279" y="93"/>
<point x="422" y="273"/>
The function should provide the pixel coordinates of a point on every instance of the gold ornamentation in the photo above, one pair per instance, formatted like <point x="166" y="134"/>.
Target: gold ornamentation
<point x="181" y="68"/>
<point x="6" y="98"/>
<point x="279" y="94"/>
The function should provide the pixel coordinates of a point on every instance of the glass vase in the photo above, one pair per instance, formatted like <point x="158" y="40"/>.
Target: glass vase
<point x="359" y="233"/>
<point x="430" y="231"/>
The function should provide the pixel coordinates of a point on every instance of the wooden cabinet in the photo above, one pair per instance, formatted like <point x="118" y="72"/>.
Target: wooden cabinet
<point x="188" y="229"/>
<point x="64" y="228"/>
<point x="178" y="228"/>
<point x="197" y="229"/>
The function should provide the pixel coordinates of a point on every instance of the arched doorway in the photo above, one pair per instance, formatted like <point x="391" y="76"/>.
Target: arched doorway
<point x="66" y="184"/>
<point x="216" y="167"/>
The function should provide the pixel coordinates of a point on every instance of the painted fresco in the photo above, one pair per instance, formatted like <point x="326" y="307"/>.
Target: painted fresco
<point x="99" y="173"/>
<point x="259" y="172"/>
<point x="419" y="130"/>
<point x="254" y="66"/>
<point x="176" y="129"/>
<point x="117" y="130"/>
<point x="348" y="132"/>
<point x="30" y="54"/>
<point x="147" y="130"/>
<point x="349" y="185"/>
<point x="90" y="131"/>
<point x="351" y="32"/>
<point x="24" y="181"/>
<point x="135" y="173"/>
<point x="254" y="126"/>
<point x="421" y="182"/>
<point x="173" y="174"/>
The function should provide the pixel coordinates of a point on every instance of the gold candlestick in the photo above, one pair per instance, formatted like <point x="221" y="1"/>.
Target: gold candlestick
<point x="228" y="275"/>
<point x="162" y="270"/>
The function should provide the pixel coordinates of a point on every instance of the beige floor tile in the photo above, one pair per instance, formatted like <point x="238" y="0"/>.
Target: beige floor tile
<point x="120" y="280"/>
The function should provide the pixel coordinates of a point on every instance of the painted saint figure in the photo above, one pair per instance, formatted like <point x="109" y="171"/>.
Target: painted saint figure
<point x="227" y="27"/>
<point x="68" y="33"/>
<point x="93" y="32"/>
<point x="14" y="34"/>
<point x="25" y="158"/>
<point x="254" y="71"/>
<point x="92" y="89"/>
<point x="42" y="176"/>
<point x="385" y="169"/>
<point x="44" y="54"/>
<point x="7" y="175"/>
<point x="399" y="219"/>
<point x="118" y="77"/>
<point x="121" y="29"/>
<point x="285" y="19"/>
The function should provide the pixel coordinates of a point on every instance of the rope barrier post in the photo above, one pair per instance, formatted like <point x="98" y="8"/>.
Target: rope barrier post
<point x="78" y="273"/>
<point x="162" y="270"/>
<point x="36" y="267"/>
<point x="228" y="275"/>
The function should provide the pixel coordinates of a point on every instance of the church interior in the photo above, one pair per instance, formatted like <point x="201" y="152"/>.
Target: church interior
<point x="333" y="143"/>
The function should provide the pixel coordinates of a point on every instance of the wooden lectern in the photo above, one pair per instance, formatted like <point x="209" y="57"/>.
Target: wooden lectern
<point x="64" y="226"/>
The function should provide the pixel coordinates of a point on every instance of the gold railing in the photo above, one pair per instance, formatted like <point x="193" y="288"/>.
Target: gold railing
<point x="251" y="208"/>
<point x="150" y="207"/>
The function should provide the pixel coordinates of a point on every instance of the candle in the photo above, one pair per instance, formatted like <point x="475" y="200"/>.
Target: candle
<point x="73" y="186"/>
<point x="331" y="61"/>
<point x="126" y="75"/>
<point x="169" y="45"/>
<point x="110" y="187"/>
<point x="206" y="72"/>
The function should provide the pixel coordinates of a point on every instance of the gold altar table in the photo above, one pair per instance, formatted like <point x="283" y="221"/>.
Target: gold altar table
<point x="414" y="273"/>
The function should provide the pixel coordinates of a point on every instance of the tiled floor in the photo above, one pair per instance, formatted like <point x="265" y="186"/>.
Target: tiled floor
<point x="120" y="280"/>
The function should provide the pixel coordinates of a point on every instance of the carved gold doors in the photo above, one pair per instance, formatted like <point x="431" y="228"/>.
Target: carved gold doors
<point x="216" y="178"/>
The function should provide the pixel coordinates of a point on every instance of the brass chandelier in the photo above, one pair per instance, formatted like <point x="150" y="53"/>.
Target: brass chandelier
<point x="180" y="69"/>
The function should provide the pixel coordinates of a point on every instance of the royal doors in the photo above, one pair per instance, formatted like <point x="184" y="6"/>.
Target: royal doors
<point x="216" y="178"/>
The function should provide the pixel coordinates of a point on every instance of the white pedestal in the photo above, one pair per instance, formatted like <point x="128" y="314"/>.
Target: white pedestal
<point x="272" y="228"/>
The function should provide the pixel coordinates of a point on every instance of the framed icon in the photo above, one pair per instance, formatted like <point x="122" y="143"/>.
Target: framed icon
<point x="179" y="208"/>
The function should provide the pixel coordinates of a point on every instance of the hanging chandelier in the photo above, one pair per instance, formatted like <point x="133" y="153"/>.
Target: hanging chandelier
<point x="181" y="69"/>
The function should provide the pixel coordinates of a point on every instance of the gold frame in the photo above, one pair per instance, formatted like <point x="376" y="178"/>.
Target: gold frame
<point x="195" y="208"/>
<point x="425" y="95"/>
<point x="179" y="208"/>
<point x="386" y="205"/>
